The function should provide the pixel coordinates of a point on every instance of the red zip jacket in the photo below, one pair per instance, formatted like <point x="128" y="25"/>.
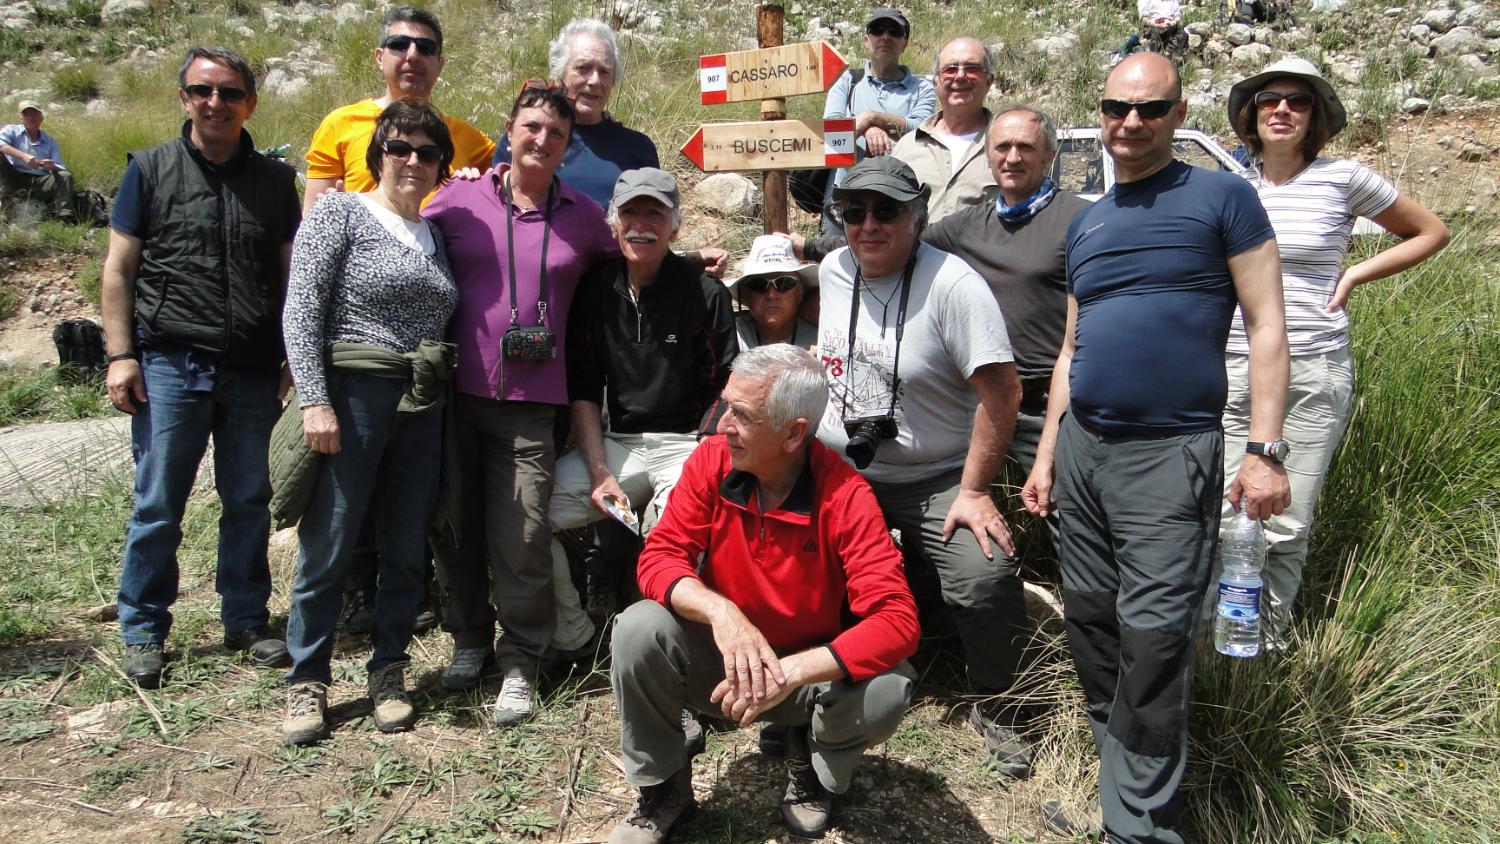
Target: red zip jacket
<point x="819" y="570"/>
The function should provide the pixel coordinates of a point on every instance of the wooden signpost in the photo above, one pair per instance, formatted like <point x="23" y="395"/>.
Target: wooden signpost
<point x="773" y="145"/>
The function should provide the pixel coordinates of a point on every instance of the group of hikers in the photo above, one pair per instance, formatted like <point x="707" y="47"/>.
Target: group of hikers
<point x="448" y="309"/>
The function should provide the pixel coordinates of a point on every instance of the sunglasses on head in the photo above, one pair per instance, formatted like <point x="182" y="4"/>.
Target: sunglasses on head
<point x="891" y="29"/>
<point x="229" y="96"/>
<point x="1298" y="101"/>
<point x="402" y="43"/>
<point x="782" y="283"/>
<point x="426" y="153"/>
<point x="1148" y="110"/>
<point x="883" y="212"/>
<point x="535" y="91"/>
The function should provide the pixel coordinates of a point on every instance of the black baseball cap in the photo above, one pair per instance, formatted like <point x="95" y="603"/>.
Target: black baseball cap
<point x="890" y="15"/>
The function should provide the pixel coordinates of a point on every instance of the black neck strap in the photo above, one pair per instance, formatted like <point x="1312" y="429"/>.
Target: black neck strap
<point x="510" y="251"/>
<point x="911" y="266"/>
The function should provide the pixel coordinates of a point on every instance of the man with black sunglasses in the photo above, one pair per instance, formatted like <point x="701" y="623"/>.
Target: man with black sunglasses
<point x="1155" y="270"/>
<point x="200" y="244"/>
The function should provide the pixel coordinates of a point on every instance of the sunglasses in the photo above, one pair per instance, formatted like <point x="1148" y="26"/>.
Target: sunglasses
<point x="1298" y="101"/>
<point x="228" y="96"/>
<point x="885" y="212"/>
<point x="951" y="71"/>
<point x="782" y="283"/>
<point x="402" y="43"/>
<point x="890" y="29"/>
<point x="426" y="153"/>
<point x="535" y="91"/>
<point x="1148" y="110"/>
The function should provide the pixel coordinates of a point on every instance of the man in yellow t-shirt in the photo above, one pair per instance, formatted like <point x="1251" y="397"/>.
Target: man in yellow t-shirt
<point x="410" y="57"/>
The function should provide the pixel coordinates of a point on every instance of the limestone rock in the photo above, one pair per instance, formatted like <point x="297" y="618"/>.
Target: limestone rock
<point x="115" y="10"/>
<point x="19" y="16"/>
<point x="1472" y="14"/>
<point x="1472" y="152"/>
<point x="1058" y="46"/>
<point x="1346" y="71"/>
<point x="1414" y="105"/>
<point x="349" y="13"/>
<point x="1251" y="56"/>
<point x="1439" y="20"/>
<point x="1419" y="33"/>
<point x="1239" y="34"/>
<point x="93" y="723"/>
<point x="728" y="195"/>
<point x="1265" y="35"/>
<point x="1475" y="65"/>
<point x="1202" y="29"/>
<point x="1459" y="40"/>
<point x="283" y="84"/>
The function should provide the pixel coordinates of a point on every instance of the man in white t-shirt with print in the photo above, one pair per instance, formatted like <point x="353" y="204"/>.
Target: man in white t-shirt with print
<point x="922" y="400"/>
<point x="947" y="150"/>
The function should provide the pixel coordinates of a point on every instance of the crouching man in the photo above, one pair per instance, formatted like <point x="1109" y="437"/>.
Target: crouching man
<point x="767" y="539"/>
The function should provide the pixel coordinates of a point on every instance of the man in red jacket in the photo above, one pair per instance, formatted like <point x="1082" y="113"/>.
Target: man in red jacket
<point x="773" y="593"/>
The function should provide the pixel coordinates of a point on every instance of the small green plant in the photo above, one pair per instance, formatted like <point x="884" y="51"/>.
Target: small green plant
<point x="295" y="762"/>
<point x="384" y="774"/>
<point x="79" y="82"/>
<point x="17" y="732"/>
<point x="531" y="824"/>
<point x="208" y="762"/>
<point x="105" y="779"/>
<point x="348" y="816"/>
<point x="228" y="828"/>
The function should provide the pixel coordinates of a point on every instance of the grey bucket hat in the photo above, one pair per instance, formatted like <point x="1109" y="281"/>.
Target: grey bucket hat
<point x="1296" y="68"/>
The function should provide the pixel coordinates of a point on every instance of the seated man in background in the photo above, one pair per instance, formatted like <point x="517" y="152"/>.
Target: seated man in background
<point x="774" y="593"/>
<point x="32" y="165"/>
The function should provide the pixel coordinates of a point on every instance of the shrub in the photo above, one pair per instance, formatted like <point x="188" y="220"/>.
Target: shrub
<point x="79" y="82"/>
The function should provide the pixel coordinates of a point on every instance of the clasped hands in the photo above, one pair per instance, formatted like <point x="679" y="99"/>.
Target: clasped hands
<point x="754" y="679"/>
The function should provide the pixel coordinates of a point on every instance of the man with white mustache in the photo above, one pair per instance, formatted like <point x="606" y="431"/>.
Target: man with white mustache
<point x="947" y="150"/>
<point x="655" y="333"/>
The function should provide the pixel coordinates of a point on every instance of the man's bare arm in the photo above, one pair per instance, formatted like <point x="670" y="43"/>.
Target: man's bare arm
<point x="123" y="380"/>
<point x="1037" y="493"/>
<point x="994" y="422"/>
<point x="1262" y="483"/>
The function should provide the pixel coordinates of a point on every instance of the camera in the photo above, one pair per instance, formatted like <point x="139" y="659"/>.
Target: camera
<point x="865" y="435"/>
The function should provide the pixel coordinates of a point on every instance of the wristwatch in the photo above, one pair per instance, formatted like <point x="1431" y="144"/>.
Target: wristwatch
<point x="1277" y="450"/>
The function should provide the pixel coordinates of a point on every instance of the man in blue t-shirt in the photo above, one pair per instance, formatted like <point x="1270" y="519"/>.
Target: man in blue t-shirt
<point x="1155" y="270"/>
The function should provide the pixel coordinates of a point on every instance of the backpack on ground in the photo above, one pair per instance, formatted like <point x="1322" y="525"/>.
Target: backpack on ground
<point x="808" y="187"/>
<point x="80" y="346"/>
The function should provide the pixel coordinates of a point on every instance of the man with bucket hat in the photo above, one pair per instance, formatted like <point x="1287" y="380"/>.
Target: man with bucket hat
<point x="923" y="397"/>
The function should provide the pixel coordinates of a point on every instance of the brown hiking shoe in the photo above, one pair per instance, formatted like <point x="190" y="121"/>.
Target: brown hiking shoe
<point x="389" y="702"/>
<point x="807" y="806"/>
<point x="658" y="809"/>
<point x="306" y="703"/>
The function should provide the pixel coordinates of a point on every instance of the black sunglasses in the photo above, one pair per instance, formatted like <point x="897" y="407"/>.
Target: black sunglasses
<point x="884" y="212"/>
<point x="1148" y="110"/>
<point x="890" y="29"/>
<point x="402" y="43"/>
<point x="426" y="153"/>
<point x="228" y="96"/>
<point x="782" y="283"/>
<point x="1298" y="101"/>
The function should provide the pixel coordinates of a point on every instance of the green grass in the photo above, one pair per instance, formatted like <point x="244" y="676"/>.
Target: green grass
<point x="50" y="394"/>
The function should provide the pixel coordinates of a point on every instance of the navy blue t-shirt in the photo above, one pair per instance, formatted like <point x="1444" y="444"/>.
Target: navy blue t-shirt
<point x="599" y="153"/>
<point x="128" y="216"/>
<point x="1148" y="264"/>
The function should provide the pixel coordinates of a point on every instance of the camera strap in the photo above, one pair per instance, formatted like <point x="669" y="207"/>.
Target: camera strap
<point x="510" y="251"/>
<point x="905" y="293"/>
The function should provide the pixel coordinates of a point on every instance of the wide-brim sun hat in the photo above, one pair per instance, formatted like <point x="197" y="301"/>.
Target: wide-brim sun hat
<point x="1296" y="68"/>
<point x="771" y="256"/>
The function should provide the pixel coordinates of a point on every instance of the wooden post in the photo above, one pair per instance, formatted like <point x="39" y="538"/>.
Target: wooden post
<point x="770" y="30"/>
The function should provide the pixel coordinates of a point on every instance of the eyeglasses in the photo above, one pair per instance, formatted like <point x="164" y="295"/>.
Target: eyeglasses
<point x="1148" y="110"/>
<point x="952" y="71"/>
<point x="228" y="96"/>
<point x="426" y="153"/>
<point x="883" y="212"/>
<point x="402" y="43"/>
<point x="890" y="29"/>
<point x="1298" y="101"/>
<point x="782" y="283"/>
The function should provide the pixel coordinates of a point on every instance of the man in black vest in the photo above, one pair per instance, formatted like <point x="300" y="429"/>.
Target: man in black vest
<point x="199" y="246"/>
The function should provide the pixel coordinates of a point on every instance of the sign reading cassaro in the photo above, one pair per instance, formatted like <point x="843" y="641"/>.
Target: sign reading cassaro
<point x="768" y="73"/>
<point x="771" y="145"/>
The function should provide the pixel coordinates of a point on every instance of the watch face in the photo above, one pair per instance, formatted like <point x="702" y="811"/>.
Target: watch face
<point x="1279" y="450"/>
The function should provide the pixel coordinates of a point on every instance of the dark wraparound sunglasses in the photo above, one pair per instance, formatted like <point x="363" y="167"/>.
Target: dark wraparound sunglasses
<point x="1148" y="110"/>
<point x="426" y="153"/>
<point x="402" y="43"/>
<point x="1298" y="101"/>
<point x="890" y="29"/>
<point x="230" y="96"/>
<point x="782" y="283"/>
<point x="885" y="212"/>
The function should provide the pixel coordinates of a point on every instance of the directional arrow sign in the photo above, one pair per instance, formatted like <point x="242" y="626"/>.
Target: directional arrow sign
<point x="771" y="145"/>
<point x="769" y="73"/>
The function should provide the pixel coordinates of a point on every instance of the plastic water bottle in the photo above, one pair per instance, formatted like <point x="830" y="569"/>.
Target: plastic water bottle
<point x="1237" y="614"/>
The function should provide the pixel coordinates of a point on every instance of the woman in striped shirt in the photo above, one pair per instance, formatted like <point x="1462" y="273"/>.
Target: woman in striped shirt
<point x="1285" y="115"/>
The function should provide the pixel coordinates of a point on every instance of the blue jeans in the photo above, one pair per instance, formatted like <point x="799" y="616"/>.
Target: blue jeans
<point x="168" y="435"/>
<point x="386" y="466"/>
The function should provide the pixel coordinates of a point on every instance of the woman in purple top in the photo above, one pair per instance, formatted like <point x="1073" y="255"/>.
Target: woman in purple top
<point x="519" y="239"/>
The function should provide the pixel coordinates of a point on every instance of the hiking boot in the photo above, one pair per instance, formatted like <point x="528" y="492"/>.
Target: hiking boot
<point x="358" y="615"/>
<point x="772" y="740"/>
<point x="1060" y="821"/>
<point x="466" y="667"/>
<point x="657" y="810"/>
<point x="693" y="740"/>
<point x="306" y="703"/>
<point x="143" y="664"/>
<point x="1011" y="752"/>
<point x="266" y="649"/>
<point x="517" y="700"/>
<point x="807" y="806"/>
<point x="585" y="655"/>
<point x="389" y="703"/>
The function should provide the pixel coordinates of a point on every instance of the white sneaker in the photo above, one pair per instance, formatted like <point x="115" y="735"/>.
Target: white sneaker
<point x="516" y="702"/>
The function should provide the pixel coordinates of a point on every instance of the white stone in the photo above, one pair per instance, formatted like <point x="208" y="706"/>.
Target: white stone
<point x="1459" y="40"/>
<point x="1440" y="20"/>
<point x="92" y="723"/>
<point x="1200" y="28"/>
<point x="349" y="13"/>
<point x="1195" y="42"/>
<point x="728" y="195"/>
<point x="1419" y="33"/>
<point x="1415" y="105"/>
<point x="1491" y="28"/>
<point x="283" y="84"/>
<point x="1472" y="14"/>
<point x="19" y="16"/>
<point x="1472" y="152"/>
<point x="1475" y="65"/>
<point x="114" y="10"/>
<point x="1239" y="34"/>
<point x="1346" y="71"/>
<point x="1251" y="56"/>
<point x="1265" y="35"/>
<point x="1393" y="11"/>
<point x="1058" y="46"/>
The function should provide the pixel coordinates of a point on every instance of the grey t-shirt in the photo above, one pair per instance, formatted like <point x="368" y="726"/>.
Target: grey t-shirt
<point x="953" y="327"/>
<point x="1025" y="265"/>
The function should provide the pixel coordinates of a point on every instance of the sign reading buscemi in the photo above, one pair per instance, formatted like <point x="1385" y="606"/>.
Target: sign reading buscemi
<point x="771" y="145"/>
<point x="769" y="73"/>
